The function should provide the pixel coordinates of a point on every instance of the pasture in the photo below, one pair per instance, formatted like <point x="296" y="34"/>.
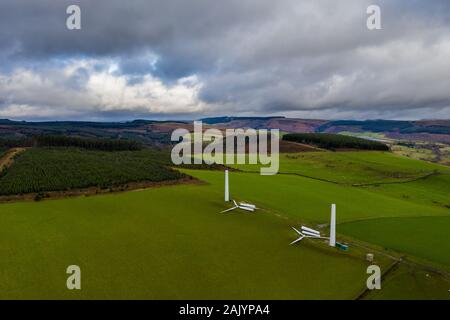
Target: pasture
<point x="172" y="243"/>
<point x="165" y="243"/>
<point x="424" y="237"/>
<point x="353" y="167"/>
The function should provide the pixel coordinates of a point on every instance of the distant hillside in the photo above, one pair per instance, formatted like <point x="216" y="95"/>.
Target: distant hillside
<point x="157" y="133"/>
<point x="282" y="123"/>
<point x="147" y="132"/>
<point x="313" y="125"/>
<point x="216" y="120"/>
<point x="432" y="131"/>
<point x="403" y="127"/>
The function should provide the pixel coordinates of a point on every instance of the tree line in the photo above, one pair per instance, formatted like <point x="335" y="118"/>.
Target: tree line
<point x="335" y="141"/>
<point x="64" y="141"/>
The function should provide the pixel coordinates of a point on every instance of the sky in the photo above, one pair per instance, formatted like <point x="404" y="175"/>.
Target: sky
<point x="187" y="59"/>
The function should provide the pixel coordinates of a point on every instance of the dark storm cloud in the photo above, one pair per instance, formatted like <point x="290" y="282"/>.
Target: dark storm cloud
<point x="308" y="58"/>
<point x="169" y="28"/>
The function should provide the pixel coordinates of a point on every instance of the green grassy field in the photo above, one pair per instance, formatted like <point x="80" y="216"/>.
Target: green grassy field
<point x="353" y="167"/>
<point x="420" y="285"/>
<point x="424" y="237"/>
<point x="309" y="200"/>
<point x="162" y="243"/>
<point x="433" y="190"/>
<point x="364" y="206"/>
<point x="172" y="242"/>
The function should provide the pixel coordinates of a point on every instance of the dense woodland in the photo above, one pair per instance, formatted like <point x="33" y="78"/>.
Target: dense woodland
<point x="335" y="141"/>
<point x="56" y="169"/>
<point x="93" y="144"/>
<point x="64" y="141"/>
<point x="13" y="143"/>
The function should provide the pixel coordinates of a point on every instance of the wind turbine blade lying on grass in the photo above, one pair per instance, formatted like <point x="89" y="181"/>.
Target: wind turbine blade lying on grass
<point x="310" y="234"/>
<point x="247" y="205"/>
<point x="246" y="208"/>
<point x="240" y="207"/>
<point x="297" y="231"/>
<point x="306" y="229"/>
<point x="228" y="210"/>
<point x="297" y="240"/>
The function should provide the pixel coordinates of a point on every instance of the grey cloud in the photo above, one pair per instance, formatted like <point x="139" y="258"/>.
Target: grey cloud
<point x="252" y="56"/>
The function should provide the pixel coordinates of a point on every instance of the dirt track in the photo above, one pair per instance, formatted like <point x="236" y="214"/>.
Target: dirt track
<point x="8" y="158"/>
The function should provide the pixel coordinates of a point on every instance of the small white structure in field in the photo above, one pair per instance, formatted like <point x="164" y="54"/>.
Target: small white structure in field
<point x="369" y="257"/>
<point x="227" y="191"/>
<point x="241" y="205"/>
<point x="314" y="234"/>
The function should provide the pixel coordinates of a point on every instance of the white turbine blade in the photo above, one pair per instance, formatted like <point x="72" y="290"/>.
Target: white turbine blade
<point x="235" y="203"/>
<point x="247" y="205"/>
<point x="247" y="208"/>
<point x="315" y="235"/>
<point x="297" y="231"/>
<point x="310" y="230"/>
<point x="295" y="241"/>
<point x="228" y="210"/>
